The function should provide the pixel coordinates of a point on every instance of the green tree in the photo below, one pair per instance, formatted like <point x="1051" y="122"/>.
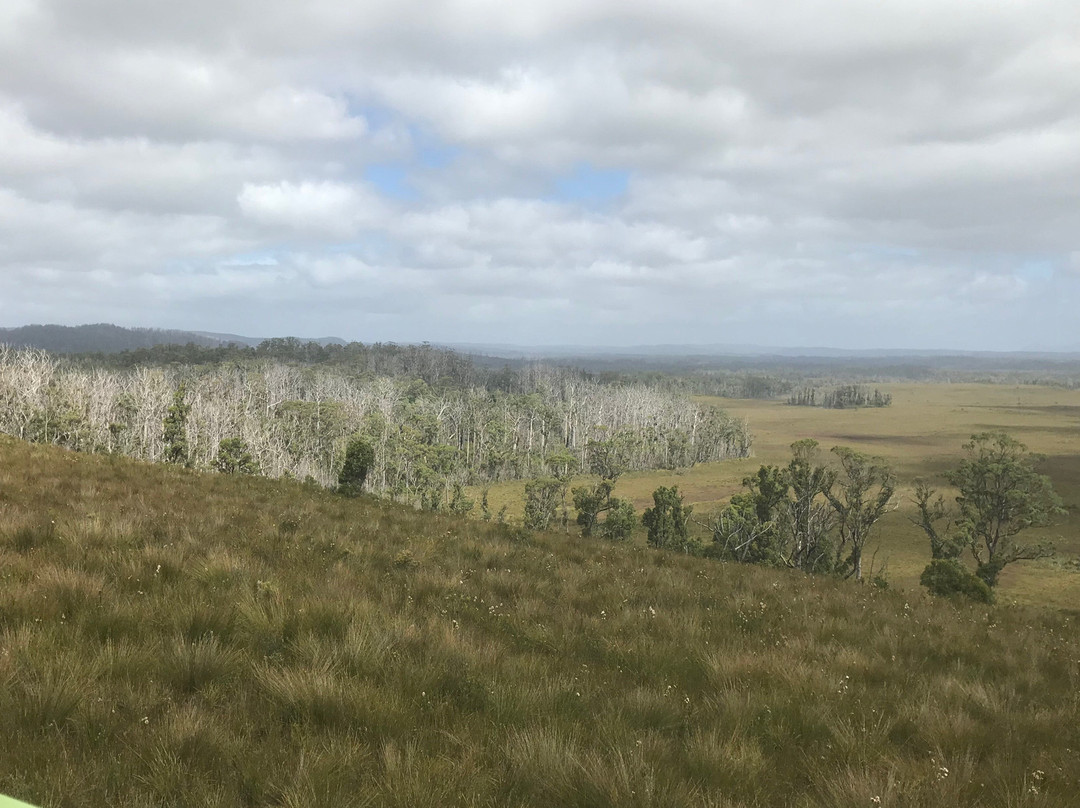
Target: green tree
<point x="359" y="459"/>
<point x="234" y="457"/>
<point x="564" y="464"/>
<point x="542" y="498"/>
<point x="783" y="519"/>
<point x="620" y="521"/>
<point x="931" y="512"/>
<point x="862" y="494"/>
<point x="174" y="428"/>
<point x="591" y="501"/>
<point x="806" y="521"/>
<point x="610" y="459"/>
<point x="459" y="503"/>
<point x="595" y="500"/>
<point x="667" y="521"/>
<point x="1000" y="496"/>
<point x="739" y="534"/>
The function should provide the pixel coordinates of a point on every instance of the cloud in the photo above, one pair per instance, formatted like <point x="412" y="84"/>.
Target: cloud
<point x="610" y="171"/>
<point x="331" y="208"/>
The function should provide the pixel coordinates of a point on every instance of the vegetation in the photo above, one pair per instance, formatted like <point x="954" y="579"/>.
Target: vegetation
<point x="175" y="638"/>
<point x="100" y="337"/>
<point x="595" y="501"/>
<point x="359" y="459"/>
<point x="1000" y="495"/>
<point x="542" y="500"/>
<point x="174" y="434"/>
<point x="430" y="431"/>
<point x="946" y="577"/>
<point x="234" y="457"/>
<point x="785" y="518"/>
<point x="668" y="521"/>
<point x="844" y="397"/>
<point x="864" y="490"/>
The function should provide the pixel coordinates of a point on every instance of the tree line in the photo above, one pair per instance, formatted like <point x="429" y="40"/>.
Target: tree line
<point x="846" y="396"/>
<point x="295" y="420"/>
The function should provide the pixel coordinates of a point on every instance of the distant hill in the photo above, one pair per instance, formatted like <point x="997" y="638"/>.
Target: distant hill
<point x="98" y="338"/>
<point x="106" y="338"/>
<point x="744" y="351"/>
<point x="255" y="341"/>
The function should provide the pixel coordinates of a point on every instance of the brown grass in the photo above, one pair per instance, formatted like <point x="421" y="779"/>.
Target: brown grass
<point x="171" y="638"/>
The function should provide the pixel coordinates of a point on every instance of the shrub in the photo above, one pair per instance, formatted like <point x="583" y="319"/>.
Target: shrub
<point x="359" y="458"/>
<point x="542" y="498"/>
<point x="620" y="521"/>
<point x="948" y="578"/>
<point x="667" y="521"/>
<point x="234" y="457"/>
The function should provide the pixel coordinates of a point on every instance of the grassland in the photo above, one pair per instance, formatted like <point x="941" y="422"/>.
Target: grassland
<point x="169" y="638"/>
<point x="921" y="434"/>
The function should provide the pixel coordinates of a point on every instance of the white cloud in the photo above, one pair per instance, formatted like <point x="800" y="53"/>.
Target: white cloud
<point x="331" y="208"/>
<point x="811" y="172"/>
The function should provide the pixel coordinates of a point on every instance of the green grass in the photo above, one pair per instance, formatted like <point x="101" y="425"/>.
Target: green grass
<point x="170" y="638"/>
<point x="921" y="435"/>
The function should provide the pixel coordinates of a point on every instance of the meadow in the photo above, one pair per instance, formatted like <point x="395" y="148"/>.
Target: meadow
<point x="176" y="638"/>
<point x="921" y="435"/>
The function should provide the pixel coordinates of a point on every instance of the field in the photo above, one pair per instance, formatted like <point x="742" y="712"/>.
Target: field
<point x="921" y="434"/>
<point x="171" y="638"/>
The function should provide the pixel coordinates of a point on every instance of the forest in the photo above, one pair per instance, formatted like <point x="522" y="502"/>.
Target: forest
<point x="434" y="418"/>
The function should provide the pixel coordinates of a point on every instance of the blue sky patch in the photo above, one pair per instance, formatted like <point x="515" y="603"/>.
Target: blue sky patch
<point x="391" y="179"/>
<point x="591" y="185"/>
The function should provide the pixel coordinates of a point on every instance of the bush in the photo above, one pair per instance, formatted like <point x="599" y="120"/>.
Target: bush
<point x="668" y="520"/>
<point x="234" y="457"/>
<point x="945" y="577"/>
<point x="542" y="498"/>
<point x="620" y="521"/>
<point x="359" y="458"/>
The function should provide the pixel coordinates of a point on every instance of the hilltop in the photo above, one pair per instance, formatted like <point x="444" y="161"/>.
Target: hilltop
<point x="105" y="338"/>
<point x="183" y="638"/>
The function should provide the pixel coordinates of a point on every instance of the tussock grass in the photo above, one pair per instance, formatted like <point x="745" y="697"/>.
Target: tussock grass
<point x="170" y="638"/>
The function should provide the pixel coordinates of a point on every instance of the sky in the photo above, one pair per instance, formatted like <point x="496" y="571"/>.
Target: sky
<point x="894" y="174"/>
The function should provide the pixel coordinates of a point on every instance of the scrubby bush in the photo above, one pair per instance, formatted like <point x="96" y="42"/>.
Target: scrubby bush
<point x="359" y="458"/>
<point x="945" y="577"/>
<point x="234" y="457"/>
<point x="667" y="521"/>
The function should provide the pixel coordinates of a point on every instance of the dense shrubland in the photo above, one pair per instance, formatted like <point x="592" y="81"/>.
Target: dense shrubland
<point x="430" y="427"/>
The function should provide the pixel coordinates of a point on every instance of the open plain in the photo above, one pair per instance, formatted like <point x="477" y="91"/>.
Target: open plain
<point x="921" y="435"/>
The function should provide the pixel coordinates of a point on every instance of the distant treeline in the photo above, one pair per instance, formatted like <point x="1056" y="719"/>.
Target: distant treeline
<point x="434" y="419"/>
<point x="843" y="397"/>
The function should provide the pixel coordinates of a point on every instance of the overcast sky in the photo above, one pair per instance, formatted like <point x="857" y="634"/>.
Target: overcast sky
<point x="896" y="173"/>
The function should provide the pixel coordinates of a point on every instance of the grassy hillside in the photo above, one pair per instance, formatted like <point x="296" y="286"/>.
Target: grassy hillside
<point x="176" y="639"/>
<point x="921" y="434"/>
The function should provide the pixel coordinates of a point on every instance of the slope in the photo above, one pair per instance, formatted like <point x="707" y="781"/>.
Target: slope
<point x="175" y="638"/>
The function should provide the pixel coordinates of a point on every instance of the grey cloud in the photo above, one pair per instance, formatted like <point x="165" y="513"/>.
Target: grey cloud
<point x="861" y="174"/>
